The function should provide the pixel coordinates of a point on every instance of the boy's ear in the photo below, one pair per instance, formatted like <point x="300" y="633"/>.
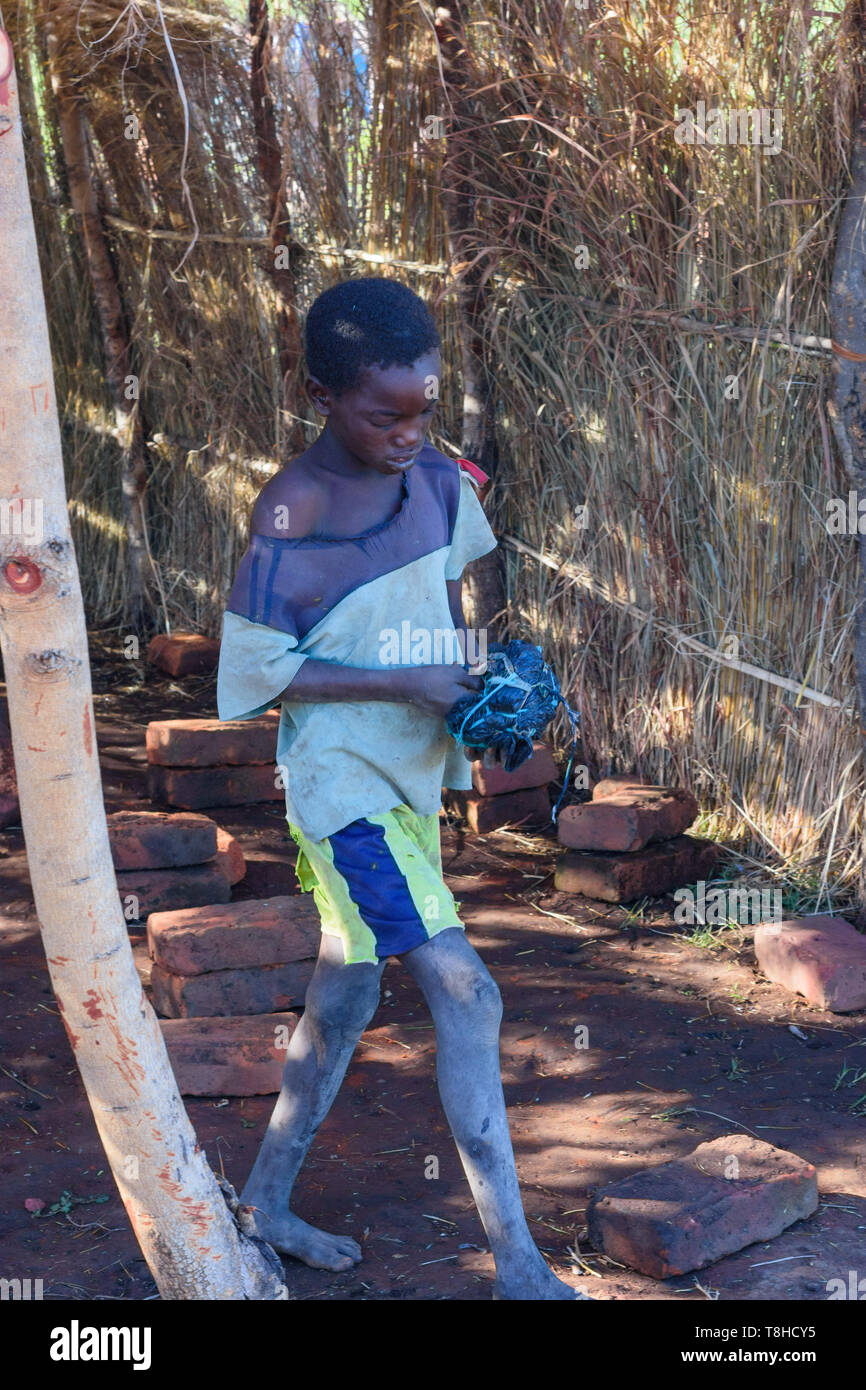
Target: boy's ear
<point x="319" y="394"/>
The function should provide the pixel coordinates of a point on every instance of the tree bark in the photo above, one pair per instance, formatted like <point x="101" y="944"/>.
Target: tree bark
<point x="485" y="577"/>
<point x="122" y="383"/>
<point x="192" y="1244"/>
<point x="286" y="252"/>
<point x="847" y="408"/>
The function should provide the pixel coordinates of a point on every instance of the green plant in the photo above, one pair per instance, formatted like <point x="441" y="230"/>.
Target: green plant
<point x="68" y="1200"/>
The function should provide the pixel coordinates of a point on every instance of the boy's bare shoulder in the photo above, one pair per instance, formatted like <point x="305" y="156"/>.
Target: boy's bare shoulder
<point x="290" y="505"/>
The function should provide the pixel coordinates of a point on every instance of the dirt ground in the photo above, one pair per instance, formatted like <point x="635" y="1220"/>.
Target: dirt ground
<point x="685" y="1043"/>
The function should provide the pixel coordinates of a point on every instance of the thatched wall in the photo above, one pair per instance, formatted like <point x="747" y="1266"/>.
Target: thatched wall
<point x="657" y="321"/>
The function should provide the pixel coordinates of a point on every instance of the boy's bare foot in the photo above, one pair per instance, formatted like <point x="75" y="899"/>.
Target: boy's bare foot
<point x="291" y="1236"/>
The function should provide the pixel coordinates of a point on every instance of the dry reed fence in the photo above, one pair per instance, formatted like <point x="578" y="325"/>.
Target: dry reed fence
<point x="656" y="316"/>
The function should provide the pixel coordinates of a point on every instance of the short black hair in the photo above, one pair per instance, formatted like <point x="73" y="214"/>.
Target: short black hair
<point x="364" y="323"/>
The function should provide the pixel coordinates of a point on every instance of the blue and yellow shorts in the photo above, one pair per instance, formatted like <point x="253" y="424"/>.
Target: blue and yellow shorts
<point x="378" y="883"/>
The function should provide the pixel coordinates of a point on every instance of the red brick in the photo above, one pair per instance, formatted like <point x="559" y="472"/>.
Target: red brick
<point x="264" y="931"/>
<point x="230" y="856"/>
<point x="229" y="1056"/>
<point x="537" y="771"/>
<point x="626" y="819"/>
<point x="164" y="890"/>
<point x="213" y="742"/>
<point x="160" y="839"/>
<point x="486" y="813"/>
<point x="264" y="989"/>
<point x="194" y="788"/>
<point x="692" y="1211"/>
<point x="618" y="782"/>
<point x="822" y="957"/>
<point x="650" y="872"/>
<point x="183" y="653"/>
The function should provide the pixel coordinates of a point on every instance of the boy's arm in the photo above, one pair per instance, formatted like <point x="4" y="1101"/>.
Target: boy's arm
<point x="432" y="688"/>
<point x="435" y="688"/>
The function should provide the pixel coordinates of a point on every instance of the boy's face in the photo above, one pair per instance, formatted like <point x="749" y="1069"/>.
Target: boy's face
<point x="384" y="419"/>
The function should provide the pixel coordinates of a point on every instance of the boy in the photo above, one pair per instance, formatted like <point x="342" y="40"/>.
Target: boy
<point x="368" y="528"/>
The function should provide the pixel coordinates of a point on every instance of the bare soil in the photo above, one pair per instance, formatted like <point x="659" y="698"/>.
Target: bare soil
<point x="685" y="1043"/>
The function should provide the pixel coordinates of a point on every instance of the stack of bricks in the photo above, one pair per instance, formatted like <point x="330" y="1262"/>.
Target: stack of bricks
<point x="253" y="957"/>
<point x="165" y="861"/>
<point x="502" y="798"/>
<point x="212" y="762"/>
<point x="223" y="976"/>
<point x="224" y="981"/>
<point x="628" y="842"/>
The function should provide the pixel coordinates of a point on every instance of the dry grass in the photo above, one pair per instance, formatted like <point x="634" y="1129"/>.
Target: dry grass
<point x="702" y="459"/>
<point x="702" y="456"/>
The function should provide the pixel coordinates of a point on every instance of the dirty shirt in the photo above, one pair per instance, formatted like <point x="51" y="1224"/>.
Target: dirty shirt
<point x="378" y="598"/>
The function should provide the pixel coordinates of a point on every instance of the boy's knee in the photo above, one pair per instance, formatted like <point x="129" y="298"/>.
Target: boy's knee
<point x="346" y="1003"/>
<point x="475" y="991"/>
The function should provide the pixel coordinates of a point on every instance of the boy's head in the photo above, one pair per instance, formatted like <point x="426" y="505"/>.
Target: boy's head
<point x="373" y="358"/>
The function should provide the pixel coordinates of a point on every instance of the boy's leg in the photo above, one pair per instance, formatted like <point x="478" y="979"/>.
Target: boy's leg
<point x="466" y="1008"/>
<point x="341" y="1000"/>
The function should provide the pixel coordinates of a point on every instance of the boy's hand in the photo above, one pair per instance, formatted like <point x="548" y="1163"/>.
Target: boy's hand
<point x="490" y="757"/>
<point x="437" y="689"/>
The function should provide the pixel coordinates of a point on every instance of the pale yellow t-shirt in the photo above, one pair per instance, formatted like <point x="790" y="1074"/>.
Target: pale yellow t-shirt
<point x="383" y="602"/>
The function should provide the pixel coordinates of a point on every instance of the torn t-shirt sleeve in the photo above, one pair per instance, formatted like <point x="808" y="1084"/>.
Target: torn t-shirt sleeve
<point x="472" y="535"/>
<point x="256" y="663"/>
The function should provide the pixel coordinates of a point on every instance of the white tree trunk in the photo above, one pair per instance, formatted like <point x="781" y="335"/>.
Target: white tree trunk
<point x="191" y="1242"/>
